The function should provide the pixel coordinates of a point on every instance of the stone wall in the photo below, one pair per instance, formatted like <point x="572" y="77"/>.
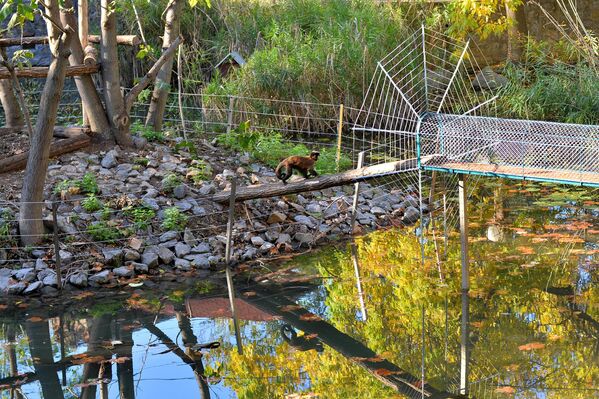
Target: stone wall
<point x="494" y="49"/>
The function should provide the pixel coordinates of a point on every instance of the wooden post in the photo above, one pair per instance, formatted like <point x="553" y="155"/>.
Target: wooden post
<point x="83" y="27"/>
<point x="228" y="271"/>
<point x="56" y="245"/>
<point x="230" y="115"/>
<point x="465" y="284"/>
<point x="354" y="208"/>
<point x="339" y="133"/>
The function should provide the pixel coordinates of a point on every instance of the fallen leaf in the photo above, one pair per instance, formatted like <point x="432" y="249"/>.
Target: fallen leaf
<point x="526" y="250"/>
<point x="310" y="317"/>
<point x="531" y="346"/>
<point x="506" y="389"/>
<point x="35" y="319"/>
<point x="290" y="308"/>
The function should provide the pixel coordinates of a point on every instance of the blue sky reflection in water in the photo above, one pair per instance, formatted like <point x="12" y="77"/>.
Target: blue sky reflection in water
<point x="533" y="320"/>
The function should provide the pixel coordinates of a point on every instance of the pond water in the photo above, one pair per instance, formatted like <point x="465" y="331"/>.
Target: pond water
<point x="308" y="328"/>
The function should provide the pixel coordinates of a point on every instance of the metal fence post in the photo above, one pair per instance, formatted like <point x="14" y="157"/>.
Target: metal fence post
<point x="339" y="133"/>
<point x="56" y="245"/>
<point x="354" y="209"/>
<point x="230" y="115"/>
<point x="228" y="271"/>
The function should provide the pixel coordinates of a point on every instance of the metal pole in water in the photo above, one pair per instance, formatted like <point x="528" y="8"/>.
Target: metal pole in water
<point x="230" y="115"/>
<point x="228" y="271"/>
<point x="465" y="284"/>
<point x="354" y="209"/>
<point x="354" y="254"/>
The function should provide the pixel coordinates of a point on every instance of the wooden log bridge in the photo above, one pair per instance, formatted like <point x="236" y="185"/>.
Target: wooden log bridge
<point x="127" y="40"/>
<point x="322" y="182"/>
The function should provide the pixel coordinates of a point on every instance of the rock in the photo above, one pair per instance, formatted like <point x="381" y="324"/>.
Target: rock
<point x="189" y="238"/>
<point x="201" y="248"/>
<point x="183" y="205"/>
<point x="131" y="255"/>
<point x="26" y="275"/>
<point x="65" y="256"/>
<point x="257" y="241"/>
<point x="168" y="236"/>
<point x="150" y="203"/>
<point x="304" y="238"/>
<point x="207" y="189"/>
<point x="78" y="279"/>
<point x="276" y="217"/>
<point x="377" y="211"/>
<point x="40" y="265"/>
<point x="182" y="264"/>
<point x="5" y="277"/>
<point x="272" y="235"/>
<point x="200" y="261"/>
<point x="3" y="256"/>
<point x="17" y="288"/>
<point x="249" y="253"/>
<point x="182" y="249"/>
<point x="284" y="239"/>
<point x="331" y="211"/>
<point x="166" y="255"/>
<point x="50" y="279"/>
<point x="488" y="79"/>
<point x="495" y="233"/>
<point x="101" y="277"/>
<point x="139" y="267"/>
<point x="411" y="215"/>
<point x="109" y="160"/>
<point x="313" y="207"/>
<point x="139" y="142"/>
<point x="267" y="246"/>
<point x="150" y="258"/>
<point x="180" y="191"/>
<point x="38" y="253"/>
<point x="113" y="256"/>
<point x="33" y="287"/>
<point x="135" y="243"/>
<point x="305" y="220"/>
<point x="123" y="271"/>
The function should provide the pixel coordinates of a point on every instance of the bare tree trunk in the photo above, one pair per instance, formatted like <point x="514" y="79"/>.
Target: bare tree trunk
<point x="94" y="110"/>
<point x="115" y="103"/>
<point x="12" y="112"/>
<point x="162" y="84"/>
<point x="516" y="31"/>
<point x="30" y="218"/>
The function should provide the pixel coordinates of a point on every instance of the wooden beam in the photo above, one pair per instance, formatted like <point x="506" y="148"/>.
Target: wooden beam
<point x="58" y="147"/>
<point x="322" y="182"/>
<point x="126" y="40"/>
<point x="42" y="72"/>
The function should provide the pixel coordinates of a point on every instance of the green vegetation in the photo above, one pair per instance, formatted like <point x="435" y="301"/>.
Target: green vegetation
<point x="147" y="132"/>
<point x="199" y="171"/>
<point x="271" y="148"/>
<point x="544" y="91"/>
<point x="91" y="203"/>
<point x="142" y="216"/>
<point x="174" y="219"/>
<point x="103" y="231"/>
<point x="86" y="185"/>
<point x="5" y="216"/>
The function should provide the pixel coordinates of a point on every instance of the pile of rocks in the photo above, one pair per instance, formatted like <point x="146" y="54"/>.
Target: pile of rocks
<point x="264" y="227"/>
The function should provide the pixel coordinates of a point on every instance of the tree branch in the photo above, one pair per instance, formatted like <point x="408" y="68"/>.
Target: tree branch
<point x="151" y="75"/>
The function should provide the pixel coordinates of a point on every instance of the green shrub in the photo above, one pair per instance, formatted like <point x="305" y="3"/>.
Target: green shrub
<point x="88" y="184"/>
<point x="199" y="171"/>
<point x="141" y="216"/>
<point x="91" y="203"/>
<point x="148" y="133"/>
<point x="5" y="216"/>
<point x="102" y="231"/>
<point x="174" y="219"/>
<point x="65" y="187"/>
<point x="141" y="161"/>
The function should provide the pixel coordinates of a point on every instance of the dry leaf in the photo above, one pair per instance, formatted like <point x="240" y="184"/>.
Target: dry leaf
<point x="531" y="346"/>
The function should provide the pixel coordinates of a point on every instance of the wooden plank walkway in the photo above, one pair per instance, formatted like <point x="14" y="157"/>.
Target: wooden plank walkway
<point x="518" y="172"/>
